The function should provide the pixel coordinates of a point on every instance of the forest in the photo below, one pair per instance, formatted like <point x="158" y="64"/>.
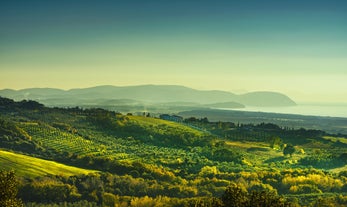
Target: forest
<point x="138" y="159"/>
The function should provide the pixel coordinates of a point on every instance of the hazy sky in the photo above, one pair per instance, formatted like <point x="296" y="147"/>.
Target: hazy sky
<point x="296" y="47"/>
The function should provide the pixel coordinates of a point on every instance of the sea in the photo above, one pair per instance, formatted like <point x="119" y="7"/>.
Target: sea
<point x="329" y="110"/>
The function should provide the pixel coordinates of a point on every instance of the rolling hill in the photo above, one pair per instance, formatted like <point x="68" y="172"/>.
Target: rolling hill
<point x="145" y="158"/>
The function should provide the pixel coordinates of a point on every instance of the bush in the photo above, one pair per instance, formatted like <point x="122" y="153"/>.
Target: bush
<point x="8" y="190"/>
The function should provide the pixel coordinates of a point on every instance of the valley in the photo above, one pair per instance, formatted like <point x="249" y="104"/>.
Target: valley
<point x="106" y="158"/>
<point x="179" y="103"/>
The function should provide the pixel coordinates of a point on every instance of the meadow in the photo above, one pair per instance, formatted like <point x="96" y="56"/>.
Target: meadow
<point x="31" y="167"/>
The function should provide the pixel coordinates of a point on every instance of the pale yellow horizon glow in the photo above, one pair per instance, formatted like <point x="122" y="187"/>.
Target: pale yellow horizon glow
<point x="301" y="78"/>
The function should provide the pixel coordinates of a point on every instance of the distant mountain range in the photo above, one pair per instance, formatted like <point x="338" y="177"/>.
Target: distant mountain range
<point x="148" y="94"/>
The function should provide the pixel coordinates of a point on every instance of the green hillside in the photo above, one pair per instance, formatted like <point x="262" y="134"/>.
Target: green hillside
<point x="27" y="166"/>
<point x="141" y="158"/>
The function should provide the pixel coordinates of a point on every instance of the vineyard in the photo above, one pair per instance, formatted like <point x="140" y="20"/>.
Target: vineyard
<point x="131" y="157"/>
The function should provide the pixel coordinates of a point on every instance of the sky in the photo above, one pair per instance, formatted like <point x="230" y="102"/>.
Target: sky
<point x="296" y="47"/>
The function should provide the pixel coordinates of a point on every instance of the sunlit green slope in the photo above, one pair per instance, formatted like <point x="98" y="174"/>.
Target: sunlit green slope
<point x="32" y="167"/>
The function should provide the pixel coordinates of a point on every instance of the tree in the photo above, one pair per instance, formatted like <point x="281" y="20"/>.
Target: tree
<point x="264" y="198"/>
<point x="343" y="157"/>
<point x="275" y="142"/>
<point x="8" y="190"/>
<point x="235" y="196"/>
<point x="289" y="150"/>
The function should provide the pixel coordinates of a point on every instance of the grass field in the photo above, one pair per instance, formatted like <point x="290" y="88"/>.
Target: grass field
<point x="335" y="139"/>
<point x="32" y="167"/>
<point x="339" y="169"/>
